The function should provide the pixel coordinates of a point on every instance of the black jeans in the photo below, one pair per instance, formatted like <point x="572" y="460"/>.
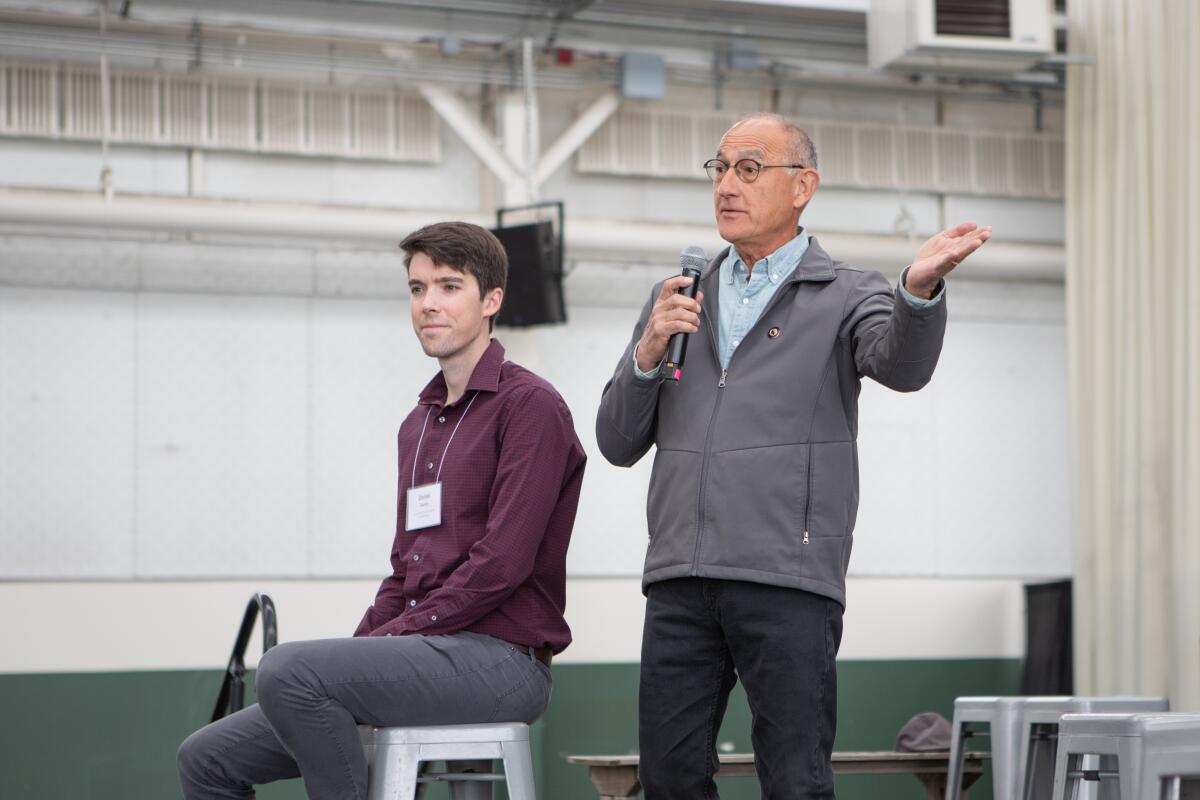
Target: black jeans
<point x="701" y="635"/>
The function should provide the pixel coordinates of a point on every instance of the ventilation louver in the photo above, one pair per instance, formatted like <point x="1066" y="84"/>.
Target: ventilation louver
<point x="149" y="107"/>
<point x="672" y="144"/>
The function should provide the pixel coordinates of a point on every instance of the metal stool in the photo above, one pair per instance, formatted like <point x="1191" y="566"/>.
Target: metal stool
<point x="394" y="757"/>
<point x="1130" y="739"/>
<point x="1039" y="733"/>
<point x="1002" y="716"/>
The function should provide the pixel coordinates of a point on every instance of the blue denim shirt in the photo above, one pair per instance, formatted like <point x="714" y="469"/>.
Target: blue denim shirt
<point x="745" y="295"/>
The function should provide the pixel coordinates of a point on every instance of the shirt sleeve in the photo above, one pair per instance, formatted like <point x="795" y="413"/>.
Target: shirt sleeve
<point x="537" y="449"/>
<point x="921" y="302"/>
<point x="645" y="376"/>
<point x="389" y="600"/>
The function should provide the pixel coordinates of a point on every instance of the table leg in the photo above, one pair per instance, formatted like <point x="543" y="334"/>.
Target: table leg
<point x="614" y="783"/>
<point x="935" y="784"/>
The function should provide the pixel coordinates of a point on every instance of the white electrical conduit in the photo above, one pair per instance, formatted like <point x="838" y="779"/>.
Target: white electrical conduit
<point x="586" y="239"/>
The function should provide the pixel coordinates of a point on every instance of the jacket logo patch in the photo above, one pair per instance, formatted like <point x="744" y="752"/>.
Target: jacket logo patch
<point x="773" y="333"/>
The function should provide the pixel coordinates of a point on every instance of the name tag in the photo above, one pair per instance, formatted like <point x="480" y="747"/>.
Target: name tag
<point x="424" y="507"/>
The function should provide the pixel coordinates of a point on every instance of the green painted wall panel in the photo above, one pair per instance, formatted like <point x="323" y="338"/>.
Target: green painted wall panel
<point x="113" y="736"/>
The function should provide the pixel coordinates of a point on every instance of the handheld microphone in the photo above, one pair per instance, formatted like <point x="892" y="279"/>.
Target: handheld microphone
<point x="692" y="261"/>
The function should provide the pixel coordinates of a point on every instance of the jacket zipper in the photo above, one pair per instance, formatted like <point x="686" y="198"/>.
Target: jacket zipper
<point x="808" y="493"/>
<point x="708" y="437"/>
<point x="704" y="474"/>
<point x="707" y="445"/>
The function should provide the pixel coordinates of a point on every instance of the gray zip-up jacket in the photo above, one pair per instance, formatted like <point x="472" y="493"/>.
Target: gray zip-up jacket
<point x="756" y="473"/>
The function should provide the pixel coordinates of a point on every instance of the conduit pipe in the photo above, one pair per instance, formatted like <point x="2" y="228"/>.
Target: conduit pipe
<point x="586" y="239"/>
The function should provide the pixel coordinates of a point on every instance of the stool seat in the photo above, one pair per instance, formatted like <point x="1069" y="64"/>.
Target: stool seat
<point x="394" y="756"/>
<point x="443" y="734"/>
<point x="1164" y="727"/>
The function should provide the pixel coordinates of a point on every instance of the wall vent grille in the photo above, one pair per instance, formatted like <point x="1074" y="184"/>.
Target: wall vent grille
<point x="83" y="106"/>
<point x="216" y="112"/>
<point x="33" y="103"/>
<point x="673" y="144"/>
<point x="973" y="18"/>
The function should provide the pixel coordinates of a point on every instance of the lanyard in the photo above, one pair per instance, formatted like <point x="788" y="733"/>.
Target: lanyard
<point x="442" y="462"/>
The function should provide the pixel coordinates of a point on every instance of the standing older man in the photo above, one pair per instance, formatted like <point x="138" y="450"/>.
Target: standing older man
<point x="755" y="485"/>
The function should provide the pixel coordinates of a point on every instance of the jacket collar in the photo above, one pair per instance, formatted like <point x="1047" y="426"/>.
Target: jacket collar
<point x="815" y="264"/>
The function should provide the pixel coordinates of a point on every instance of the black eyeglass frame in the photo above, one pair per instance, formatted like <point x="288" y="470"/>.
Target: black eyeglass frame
<point x="712" y="164"/>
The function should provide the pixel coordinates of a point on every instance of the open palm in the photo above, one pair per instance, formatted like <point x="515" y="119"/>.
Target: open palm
<point x="942" y="253"/>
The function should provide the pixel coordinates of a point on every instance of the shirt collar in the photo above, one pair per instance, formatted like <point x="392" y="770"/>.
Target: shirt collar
<point x="484" y="378"/>
<point x="777" y="265"/>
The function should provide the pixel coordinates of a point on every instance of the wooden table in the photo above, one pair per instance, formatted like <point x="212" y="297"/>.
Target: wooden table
<point x="616" y="776"/>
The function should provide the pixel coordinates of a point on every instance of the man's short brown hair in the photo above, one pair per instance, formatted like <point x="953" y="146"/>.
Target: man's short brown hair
<point x="463" y="247"/>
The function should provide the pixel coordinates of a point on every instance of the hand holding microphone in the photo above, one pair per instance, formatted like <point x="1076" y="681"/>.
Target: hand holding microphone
<point x="676" y="313"/>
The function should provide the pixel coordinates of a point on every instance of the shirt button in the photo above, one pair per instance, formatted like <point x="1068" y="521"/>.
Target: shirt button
<point x="387" y="634"/>
<point x="745" y="301"/>
<point x="736" y="342"/>
<point x="429" y="465"/>
<point x="441" y="419"/>
<point x="416" y="557"/>
<point x="412" y="602"/>
<point x="433" y="618"/>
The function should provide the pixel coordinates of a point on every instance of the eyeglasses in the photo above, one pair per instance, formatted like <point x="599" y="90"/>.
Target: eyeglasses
<point x="747" y="169"/>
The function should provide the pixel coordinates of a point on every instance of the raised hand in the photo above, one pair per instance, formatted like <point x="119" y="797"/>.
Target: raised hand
<point x="941" y="254"/>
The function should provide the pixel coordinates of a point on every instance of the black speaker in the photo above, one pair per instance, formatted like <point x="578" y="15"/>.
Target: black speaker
<point x="534" y="294"/>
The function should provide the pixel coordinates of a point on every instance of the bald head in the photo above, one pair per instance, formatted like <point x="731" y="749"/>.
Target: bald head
<point x="800" y="148"/>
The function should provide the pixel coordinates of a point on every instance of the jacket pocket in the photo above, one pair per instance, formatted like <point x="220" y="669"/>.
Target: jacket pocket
<point x="832" y="504"/>
<point x="833" y="489"/>
<point x="671" y="508"/>
<point x="754" y="509"/>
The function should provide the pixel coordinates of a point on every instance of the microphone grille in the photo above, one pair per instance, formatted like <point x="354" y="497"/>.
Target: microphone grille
<point x="693" y="257"/>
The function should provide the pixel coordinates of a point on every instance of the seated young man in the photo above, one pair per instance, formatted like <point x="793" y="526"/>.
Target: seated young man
<point x="463" y="628"/>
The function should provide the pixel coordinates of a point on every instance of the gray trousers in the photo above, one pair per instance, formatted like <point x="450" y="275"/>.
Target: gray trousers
<point x="313" y="695"/>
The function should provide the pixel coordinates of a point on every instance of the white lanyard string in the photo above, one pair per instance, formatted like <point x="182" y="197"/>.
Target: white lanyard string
<point x="417" y="455"/>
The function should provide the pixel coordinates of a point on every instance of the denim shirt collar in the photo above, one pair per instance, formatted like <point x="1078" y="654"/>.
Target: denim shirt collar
<point x="777" y="266"/>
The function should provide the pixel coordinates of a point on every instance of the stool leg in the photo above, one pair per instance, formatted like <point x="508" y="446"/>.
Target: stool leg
<point x="518" y="771"/>
<point x="1064" y="763"/>
<point x="1130" y="765"/>
<point x="954" y="768"/>
<point x="1004" y="767"/>
<point x="1028" y="765"/>
<point x="1039" y="769"/>
<point x="394" y="772"/>
<point x="470" y="790"/>
<point x="1109" y="789"/>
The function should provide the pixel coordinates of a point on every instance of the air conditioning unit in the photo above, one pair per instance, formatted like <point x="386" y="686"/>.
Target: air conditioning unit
<point x="961" y="36"/>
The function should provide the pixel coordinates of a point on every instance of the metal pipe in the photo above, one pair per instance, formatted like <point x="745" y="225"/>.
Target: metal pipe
<point x="530" y="135"/>
<point x="587" y="239"/>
